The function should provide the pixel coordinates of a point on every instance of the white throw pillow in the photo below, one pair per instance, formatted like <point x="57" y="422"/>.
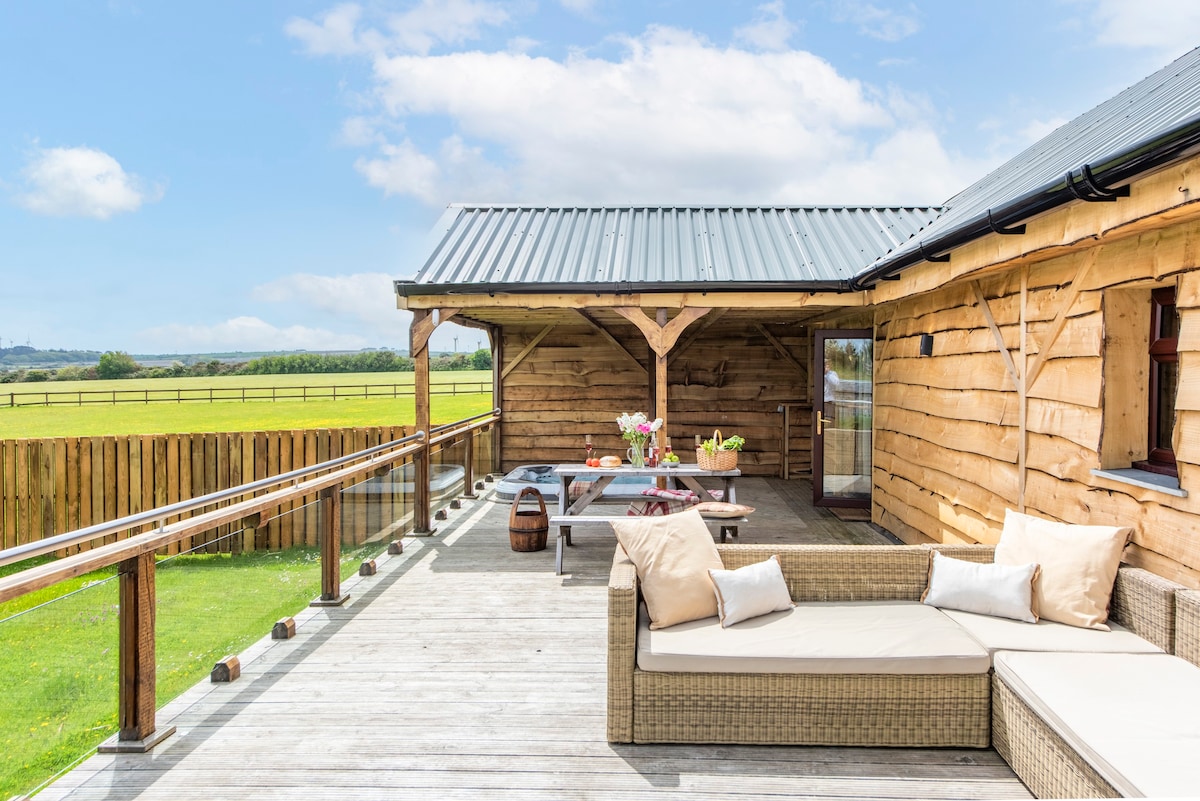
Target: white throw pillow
<point x="750" y="591"/>
<point x="986" y="589"/>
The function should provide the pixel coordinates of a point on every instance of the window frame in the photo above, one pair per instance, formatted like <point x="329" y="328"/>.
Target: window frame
<point x="1162" y="350"/>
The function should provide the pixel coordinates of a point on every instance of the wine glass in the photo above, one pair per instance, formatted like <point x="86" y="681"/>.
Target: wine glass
<point x="587" y="444"/>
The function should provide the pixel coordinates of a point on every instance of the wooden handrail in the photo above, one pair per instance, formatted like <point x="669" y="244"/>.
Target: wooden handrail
<point x="135" y="558"/>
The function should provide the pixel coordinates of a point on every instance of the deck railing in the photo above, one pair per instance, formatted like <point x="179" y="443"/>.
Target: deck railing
<point x="135" y="556"/>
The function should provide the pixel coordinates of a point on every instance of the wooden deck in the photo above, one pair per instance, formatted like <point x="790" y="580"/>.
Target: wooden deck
<point x="463" y="670"/>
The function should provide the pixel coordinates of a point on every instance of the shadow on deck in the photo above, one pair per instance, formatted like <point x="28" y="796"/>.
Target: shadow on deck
<point x="465" y="670"/>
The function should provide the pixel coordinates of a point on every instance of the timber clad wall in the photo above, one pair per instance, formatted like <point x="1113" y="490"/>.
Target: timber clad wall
<point x="953" y="430"/>
<point x="731" y="377"/>
<point x="51" y="486"/>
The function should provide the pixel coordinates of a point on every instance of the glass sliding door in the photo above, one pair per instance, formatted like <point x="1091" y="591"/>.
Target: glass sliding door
<point x="842" y="415"/>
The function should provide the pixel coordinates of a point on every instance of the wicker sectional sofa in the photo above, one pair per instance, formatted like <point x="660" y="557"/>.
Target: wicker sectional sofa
<point x="899" y="707"/>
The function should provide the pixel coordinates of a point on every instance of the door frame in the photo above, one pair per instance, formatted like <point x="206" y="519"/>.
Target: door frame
<point x="818" y="407"/>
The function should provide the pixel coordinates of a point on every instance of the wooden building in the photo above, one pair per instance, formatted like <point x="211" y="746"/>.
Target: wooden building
<point x="1036" y="339"/>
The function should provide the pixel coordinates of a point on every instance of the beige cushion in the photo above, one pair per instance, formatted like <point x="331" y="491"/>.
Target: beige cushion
<point x="750" y="591"/>
<point x="897" y="637"/>
<point x="1001" y="590"/>
<point x="999" y="634"/>
<point x="672" y="555"/>
<point x="1130" y="716"/>
<point x="1078" y="563"/>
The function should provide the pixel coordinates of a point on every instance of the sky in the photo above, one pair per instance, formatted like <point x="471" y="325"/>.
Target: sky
<point x="181" y="177"/>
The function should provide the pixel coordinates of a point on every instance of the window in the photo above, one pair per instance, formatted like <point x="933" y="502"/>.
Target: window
<point x="1164" y="380"/>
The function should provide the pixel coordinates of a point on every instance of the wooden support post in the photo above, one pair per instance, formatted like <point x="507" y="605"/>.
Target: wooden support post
<point x="1027" y="379"/>
<point x="660" y="380"/>
<point x="496" y="334"/>
<point x="137" y="732"/>
<point x="469" y="466"/>
<point x="331" y="548"/>
<point x="420" y="355"/>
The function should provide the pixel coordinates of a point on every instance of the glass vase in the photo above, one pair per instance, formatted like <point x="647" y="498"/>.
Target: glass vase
<point x="637" y="456"/>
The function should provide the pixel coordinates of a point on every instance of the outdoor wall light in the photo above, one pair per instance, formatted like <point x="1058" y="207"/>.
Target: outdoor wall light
<point x="926" y="344"/>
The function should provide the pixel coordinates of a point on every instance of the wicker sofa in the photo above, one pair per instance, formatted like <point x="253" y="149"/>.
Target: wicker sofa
<point x="836" y="708"/>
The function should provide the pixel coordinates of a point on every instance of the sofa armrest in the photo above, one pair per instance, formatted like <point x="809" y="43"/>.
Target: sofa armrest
<point x="1187" y="625"/>
<point x="1144" y="603"/>
<point x="622" y="647"/>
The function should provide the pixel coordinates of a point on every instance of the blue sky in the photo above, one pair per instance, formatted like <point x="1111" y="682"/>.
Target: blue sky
<point x="181" y="177"/>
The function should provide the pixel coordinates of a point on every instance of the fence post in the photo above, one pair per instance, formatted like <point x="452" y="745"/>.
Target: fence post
<point x="469" y="466"/>
<point x="331" y="548"/>
<point x="137" y="732"/>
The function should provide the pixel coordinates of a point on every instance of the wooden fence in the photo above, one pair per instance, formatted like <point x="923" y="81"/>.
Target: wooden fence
<point x="110" y="397"/>
<point x="51" y="486"/>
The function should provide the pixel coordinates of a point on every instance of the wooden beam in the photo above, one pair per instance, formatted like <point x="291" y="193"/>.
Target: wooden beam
<point x="1060" y="319"/>
<point x="668" y="300"/>
<point x="520" y="357"/>
<point x="423" y="327"/>
<point x="661" y="338"/>
<point x="608" y="337"/>
<point x="782" y="350"/>
<point x="991" y="322"/>
<point x="696" y="333"/>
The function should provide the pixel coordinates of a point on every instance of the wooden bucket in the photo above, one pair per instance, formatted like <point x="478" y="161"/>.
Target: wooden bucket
<point x="527" y="528"/>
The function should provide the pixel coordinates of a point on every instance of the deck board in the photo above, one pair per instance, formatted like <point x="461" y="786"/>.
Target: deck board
<point x="463" y="670"/>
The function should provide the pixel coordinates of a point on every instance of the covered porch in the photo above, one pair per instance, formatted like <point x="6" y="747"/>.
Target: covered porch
<point x="465" y="670"/>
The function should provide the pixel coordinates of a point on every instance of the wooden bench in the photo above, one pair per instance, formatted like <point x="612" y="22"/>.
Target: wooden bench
<point x="724" y="525"/>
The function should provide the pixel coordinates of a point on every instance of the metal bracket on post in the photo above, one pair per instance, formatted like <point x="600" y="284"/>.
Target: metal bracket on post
<point x="331" y="549"/>
<point x="137" y="732"/>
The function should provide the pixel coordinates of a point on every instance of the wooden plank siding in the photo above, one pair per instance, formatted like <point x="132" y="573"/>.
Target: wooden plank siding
<point x="958" y="442"/>
<point x="51" y="486"/>
<point x="731" y="377"/>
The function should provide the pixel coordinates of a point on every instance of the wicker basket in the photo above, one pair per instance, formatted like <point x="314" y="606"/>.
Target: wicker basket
<point x="527" y="528"/>
<point x="720" y="460"/>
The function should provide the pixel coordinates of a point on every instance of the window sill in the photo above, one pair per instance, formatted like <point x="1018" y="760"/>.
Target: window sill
<point x="1144" y="479"/>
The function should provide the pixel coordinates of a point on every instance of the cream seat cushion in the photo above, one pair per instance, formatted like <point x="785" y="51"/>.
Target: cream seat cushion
<point x="672" y="555"/>
<point x="897" y="637"/>
<point x="1078" y="565"/>
<point x="1130" y="716"/>
<point x="1000" y="634"/>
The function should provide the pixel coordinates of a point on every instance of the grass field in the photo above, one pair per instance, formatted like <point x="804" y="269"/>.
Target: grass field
<point x="192" y="417"/>
<point x="60" y="661"/>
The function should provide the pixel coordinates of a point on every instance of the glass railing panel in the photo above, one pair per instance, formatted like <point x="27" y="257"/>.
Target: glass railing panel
<point x="59" y="669"/>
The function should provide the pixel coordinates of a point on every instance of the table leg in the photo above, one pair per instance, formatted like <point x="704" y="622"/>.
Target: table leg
<point x="564" y="534"/>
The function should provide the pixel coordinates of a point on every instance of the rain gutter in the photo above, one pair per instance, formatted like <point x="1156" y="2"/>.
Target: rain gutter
<point x="1088" y="182"/>
<point x="409" y="288"/>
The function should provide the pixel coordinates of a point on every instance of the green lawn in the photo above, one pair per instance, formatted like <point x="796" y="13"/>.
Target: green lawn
<point x="60" y="661"/>
<point x="192" y="417"/>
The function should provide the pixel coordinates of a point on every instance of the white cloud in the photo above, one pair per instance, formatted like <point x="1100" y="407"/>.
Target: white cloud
<point x="366" y="299"/>
<point x="81" y="182"/>
<point x="672" y="118"/>
<point x="770" y="29"/>
<point x="417" y="30"/>
<point x="885" y="24"/>
<point x="246" y="333"/>
<point x="1168" y="27"/>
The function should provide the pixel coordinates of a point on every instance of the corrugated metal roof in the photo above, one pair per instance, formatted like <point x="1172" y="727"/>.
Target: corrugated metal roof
<point x="1156" y="107"/>
<point x="480" y="248"/>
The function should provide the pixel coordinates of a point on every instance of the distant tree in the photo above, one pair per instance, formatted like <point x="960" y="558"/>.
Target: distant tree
<point x="116" y="364"/>
<point x="71" y="373"/>
<point x="481" y="359"/>
<point x="37" y="375"/>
